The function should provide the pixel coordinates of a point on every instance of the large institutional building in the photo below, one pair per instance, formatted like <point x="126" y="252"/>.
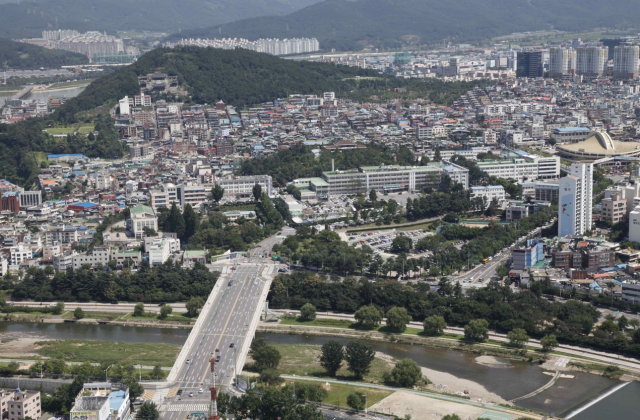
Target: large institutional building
<point x="387" y="178"/>
<point x="575" y="202"/>
<point x="598" y="145"/>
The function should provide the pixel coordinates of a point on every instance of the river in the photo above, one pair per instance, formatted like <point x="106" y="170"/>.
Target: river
<point x="513" y="379"/>
<point x="44" y="94"/>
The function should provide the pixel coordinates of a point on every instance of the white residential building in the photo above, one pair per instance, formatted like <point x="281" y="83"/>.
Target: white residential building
<point x="19" y="254"/>
<point x="626" y="60"/>
<point x="631" y="291"/>
<point x="562" y="61"/>
<point x="591" y="61"/>
<point x="100" y="255"/>
<point x="161" y="250"/>
<point x="575" y="201"/>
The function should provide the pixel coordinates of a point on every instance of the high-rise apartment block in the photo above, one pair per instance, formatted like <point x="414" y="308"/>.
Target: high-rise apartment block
<point x="626" y="59"/>
<point x="530" y="64"/>
<point x="562" y="61"/>
<point x="591" y="61"/>
<point x="575" y="203"/>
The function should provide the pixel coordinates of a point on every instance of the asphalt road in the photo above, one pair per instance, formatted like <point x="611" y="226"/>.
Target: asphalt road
<point x="227" y="322"/>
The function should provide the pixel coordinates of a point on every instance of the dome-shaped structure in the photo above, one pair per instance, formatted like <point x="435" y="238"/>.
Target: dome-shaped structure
<point x="598" y="145"/>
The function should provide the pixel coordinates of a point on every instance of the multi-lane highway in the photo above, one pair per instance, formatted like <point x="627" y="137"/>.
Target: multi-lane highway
<point x="224" y="333"/>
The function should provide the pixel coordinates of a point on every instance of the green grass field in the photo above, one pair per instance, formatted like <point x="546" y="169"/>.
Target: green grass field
<point x="179" y="317"/>
<point x="337" y="394"/>
<point x="302" y="360"/>
<point x="95" y="315"/>
<point x="80" y="128"/>
<point x="149" y="354"/>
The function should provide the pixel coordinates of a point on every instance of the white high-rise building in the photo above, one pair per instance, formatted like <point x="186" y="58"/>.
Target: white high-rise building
<point x="575" y="203"/>
<point x="626" y="60"/>
<point x="562" y="61"/>
<point x="591" y="61"/>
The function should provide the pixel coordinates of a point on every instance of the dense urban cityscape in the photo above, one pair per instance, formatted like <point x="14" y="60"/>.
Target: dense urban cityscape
<point x="262" y="224"/>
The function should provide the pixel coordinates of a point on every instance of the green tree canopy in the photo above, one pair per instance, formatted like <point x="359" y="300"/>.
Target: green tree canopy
<point x="332" y="354"/>
<point x="359" y="356"/>
<point x="477" y="330"/>
<point x="308" y="312"/>
<point x="434" y="325"/>
<point x="397" y="319"/>
<point x="406" y="373"/>
<point x="368" y="317"/>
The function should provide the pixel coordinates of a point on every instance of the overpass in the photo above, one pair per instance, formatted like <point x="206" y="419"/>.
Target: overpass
<point x="224" y="330"/>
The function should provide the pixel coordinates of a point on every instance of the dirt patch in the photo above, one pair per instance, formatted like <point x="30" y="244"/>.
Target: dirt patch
<point x="20" y="347"/>
<point x="492" y="362"/>
<point x="423" y="408"/>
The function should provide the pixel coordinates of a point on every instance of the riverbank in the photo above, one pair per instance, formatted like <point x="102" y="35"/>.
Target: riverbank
<point x="89" y="351"/>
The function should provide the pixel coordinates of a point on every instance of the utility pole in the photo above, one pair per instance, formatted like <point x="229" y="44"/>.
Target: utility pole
<point x="106" y="373"/>
<point x="213" y="406"/>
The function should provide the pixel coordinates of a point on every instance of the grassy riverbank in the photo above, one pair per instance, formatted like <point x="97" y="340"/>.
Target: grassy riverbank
<point x="303" y="360"/>
<point x="149" y="354"/>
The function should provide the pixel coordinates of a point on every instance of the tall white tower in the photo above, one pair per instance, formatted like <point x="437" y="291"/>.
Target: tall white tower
<point x="575" y="202"/>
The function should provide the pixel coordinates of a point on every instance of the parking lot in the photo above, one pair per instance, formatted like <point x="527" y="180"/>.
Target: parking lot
<point x="380" y="241"/>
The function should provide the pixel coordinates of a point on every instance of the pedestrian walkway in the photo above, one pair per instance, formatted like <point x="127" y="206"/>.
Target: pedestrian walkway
<point x="148" y="394"/>
<point x="172" y="392"/>
<point x="188" y="407"/>
<point x="160" y="395"/>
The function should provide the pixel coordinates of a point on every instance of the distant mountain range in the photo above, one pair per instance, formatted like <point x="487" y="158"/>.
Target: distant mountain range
<point x="354" y="24"/>
<point x="21" y="56"/>
<point x="29" y="18"/>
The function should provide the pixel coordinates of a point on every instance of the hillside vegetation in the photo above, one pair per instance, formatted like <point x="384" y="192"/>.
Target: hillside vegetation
<point x="354" y="24"/>
<point x="21" y="56"/>
<point x="29" y="18"/>
<point x="238" y="77"/>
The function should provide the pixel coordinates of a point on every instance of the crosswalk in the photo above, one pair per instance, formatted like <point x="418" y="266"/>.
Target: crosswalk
<point x="188" y="407"/>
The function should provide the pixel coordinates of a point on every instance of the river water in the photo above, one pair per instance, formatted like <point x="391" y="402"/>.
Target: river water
<point x="512" y="380"/>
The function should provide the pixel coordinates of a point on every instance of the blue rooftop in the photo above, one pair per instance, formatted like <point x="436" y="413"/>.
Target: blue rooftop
<point x="571" y="129"/>
<point x="86" y="205"/>
<point x="116" y="399"/>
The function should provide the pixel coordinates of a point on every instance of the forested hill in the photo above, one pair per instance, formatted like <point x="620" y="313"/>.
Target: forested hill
<point x="25" y="19"/>
<point x="21" y="56"/>
<point x="238" y="77"/>
<point x="353" y="24"/>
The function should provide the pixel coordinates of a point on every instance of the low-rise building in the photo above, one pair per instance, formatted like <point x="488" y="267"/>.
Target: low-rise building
<point x="18" y="405"/>
<point x="528" y="255"/>
<point x="614" y="209"/>
<point x="516" y="211"/>
<point x="488" y="193"/>
<point x="631" y="291"/>
<point x="101" y="401"/>
<point x="141" y="217"/>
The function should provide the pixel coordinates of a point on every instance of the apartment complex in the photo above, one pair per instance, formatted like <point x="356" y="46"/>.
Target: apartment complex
<point x="626" y="59"/>
<point x="562" y="61"/>
<point x="591" y="61"/>
<point x="575" y="200"/>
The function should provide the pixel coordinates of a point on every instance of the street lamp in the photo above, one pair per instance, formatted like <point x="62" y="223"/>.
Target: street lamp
<point x="140" y="370"/>
<point x="106" y="373"/>
<point x="365" y="403"/>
